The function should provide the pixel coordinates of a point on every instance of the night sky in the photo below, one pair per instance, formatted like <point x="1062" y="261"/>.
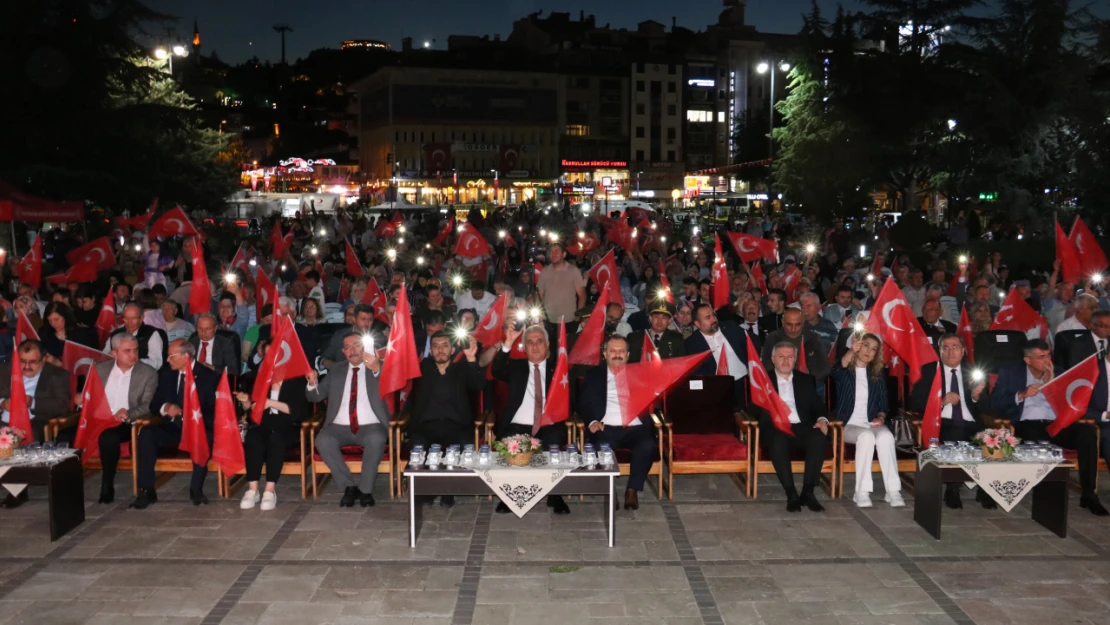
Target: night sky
<point x="239" y="29"/>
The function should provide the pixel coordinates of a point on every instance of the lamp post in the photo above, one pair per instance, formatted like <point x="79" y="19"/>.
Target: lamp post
<point x="162" y="54"/>
<point x="496" y="187"/>
<point x="763" y="68"/>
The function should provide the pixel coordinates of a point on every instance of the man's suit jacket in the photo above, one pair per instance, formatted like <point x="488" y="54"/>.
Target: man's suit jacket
<point x="593" y="396"/>
<point x="934" y="332"/>
<point x="330" y="388"/>
<point x="168" y="392"/>
<point x="517" y="373"/>
<point x="810" y="406"/>
<point x="144" y="381"/>
<point x="769" y="323"/>
<point x="816" y="352"/>
<point x="919" y="396"/>
<point x="671" y="345"/>
<point x="225" y="354"/>
<point x="51" y="395"/>
<point x="1073" y="346"/>
<point x="1011" y="381"/>
<point x="696" y="344"/>
<point x="1098" y="405"/>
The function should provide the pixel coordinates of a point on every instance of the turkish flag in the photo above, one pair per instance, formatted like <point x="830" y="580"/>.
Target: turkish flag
<point x="537" y="269"/>
<point x="964" y="330"/>
<point x="264" y="379"/>
<point x="173" y="223"/>
<point x="194" y="439"/>
<point x="758" y="277"/>
<point x="877" y="264"/>
<point x="227" y="444"/>
<point x="623" y="235"/>
<point x="19" y="411"/>
<point x="323" y="278"/>
<point x="388" y="228"/>
<point x="649" y="351"/>
<point x="354" y="268"/>
<point x="240" y="262"/>
<point x="344" y="291"/>
<point x="401" y="363"/>
<point x="85" y="272"/>
<point x="491" y="328"/>
<point x="96" y="416"/>
<point x="605" y="273"/>
<point x="640" y="384"/>
<point x="263" y="294"/>
<point x="471" y="243"/>
<point x="374" y="298"/>
<point x="291" y="361"/>
<point x="444" y="232"/>
<point x="1071" y="269"/>
<point x="754" y="248"/>
<point x="278" y="242"/>
<point x="106" y="319"/>
<point x="722" y="363"/>
<point x="556" y="406"/>
<point x="665" y="284"/>
<point x="639" y="215"/>
<point x="138" y="222"/>
<point x="802" y="366"/>
<point x="77" y="359"/>
<point x="24" y="330"/>
<point x="584" y="243"/>
<point x="200" y="294"/>
<point x="763" y="392"/>
<point x="1069" y="393"/>
<point x="720" y="286"/>
<point x="1092" y="259"/>
<point x="893" y="321"/>
<point x="930" y="419"/>
<point x="1017" y="314"/>
<point x="29" y="268"/>
<point x="790" y="283"/>
<point x="587" y="348"/>
<point x="98" y="252"/>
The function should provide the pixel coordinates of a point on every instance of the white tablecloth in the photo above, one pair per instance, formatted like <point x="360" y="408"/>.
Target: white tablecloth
<point x="1006" y="481"/>
<point x="522" y="487"/>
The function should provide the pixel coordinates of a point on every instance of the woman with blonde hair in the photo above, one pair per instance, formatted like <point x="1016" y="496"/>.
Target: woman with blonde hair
<point x="861" y="404"/>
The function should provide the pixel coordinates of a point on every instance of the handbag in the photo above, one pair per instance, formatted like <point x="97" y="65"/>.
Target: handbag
<point x="904" y="437"/>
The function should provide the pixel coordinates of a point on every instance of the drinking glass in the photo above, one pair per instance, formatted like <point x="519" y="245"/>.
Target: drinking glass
<point x="416" y="456"/>
<point x="61" y="448"/>
<point x="573" y="458"/>
<point x="484" y="458"/>
<point x="934" y="444"/>
<point x="591" y="456"/>
<point x="48" y="451"/>
<point x="34" y="451"/>
<point x="468" y="456"/>
<point x="553" y="455"/>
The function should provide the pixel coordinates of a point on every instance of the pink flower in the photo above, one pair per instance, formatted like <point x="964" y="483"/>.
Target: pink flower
<point x="535" y="442"/>
<point x="6" y="440"/>
<point x="514" y="447"/>
<point x="991" y="440"/>
<point x="1010" y="440"/>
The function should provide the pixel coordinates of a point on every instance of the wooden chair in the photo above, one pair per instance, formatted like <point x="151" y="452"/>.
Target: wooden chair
<point x="797" y="461"/>
<point x="170" y="459"/>
<point x="907" y="462"/>
<point x="702" y="431"/>
<point x="624" y="456"/>
<point x="352" y="456"/>
<point x="296" y="462"/>
<point x="92" y="463"/>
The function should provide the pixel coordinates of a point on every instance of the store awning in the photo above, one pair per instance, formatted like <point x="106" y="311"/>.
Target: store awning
<point x="16" y="205"/>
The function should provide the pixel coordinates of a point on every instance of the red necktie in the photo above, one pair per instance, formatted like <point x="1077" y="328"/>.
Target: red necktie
<point x="203" y="351"/>
<point x="538" y="410"/>
<point x="352" y="408"/>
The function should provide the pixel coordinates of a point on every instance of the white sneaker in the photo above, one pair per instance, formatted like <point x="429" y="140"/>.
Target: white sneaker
<point x="250" y="498"/>
<point x="269" y="501"/>
<point x="863" y="500"/>
<point x="895" y="500"/>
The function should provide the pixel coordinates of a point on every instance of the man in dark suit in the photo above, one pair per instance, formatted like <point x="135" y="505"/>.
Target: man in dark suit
<point x="961" y="404"/>
<point x="711" y="336"/>
<point x="815" y="352"/>
<point x="749" y="321"/>
<point x="776" y="303"/>
<point x="1017" y="396"/>
<point x="1098" y="409"/>
<point x="529" y="380"/>
<point x="214" y="351"/>
<point x="47" y="387"/>
<point x="1075" y="346"/>
<point x="808" y="423"/>
<point x="166" y="422"/>
<point x="932" y="323"/>
<point x="364" y="319"/>
<point x="668" y="343"/>
<point x="433" y="323"/>
<point x="601" y="411"/>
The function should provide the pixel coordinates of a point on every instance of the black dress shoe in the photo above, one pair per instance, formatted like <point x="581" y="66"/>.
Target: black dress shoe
<point x="986" y="500"/>
<point x="558" y="505"/>
<point x="350" y="494"/>
<point x="793" y="503"/>
<point x="447" y="501"/>
<point x="366" y="500"/>
<point x="146" y="497"/>
<point x="809" y="501"/>
<point x="197" y="497"/>
<point x="631" y="499"/>
<point x="107" y="494"/>
<point x="1094" y="505"/>
<point x="501" y="508"/>
<point x="952" y="498"/>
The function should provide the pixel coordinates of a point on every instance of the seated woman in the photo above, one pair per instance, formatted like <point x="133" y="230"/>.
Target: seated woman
<point x="861" y="404"/>
<point x="266" y="443"/>
<point x="60" y="327"/>
<point x="176" y="327"/>
<point x="311" y="313"/>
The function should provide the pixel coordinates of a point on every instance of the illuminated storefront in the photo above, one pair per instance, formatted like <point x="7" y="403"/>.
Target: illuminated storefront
<point x="598" y="180"/>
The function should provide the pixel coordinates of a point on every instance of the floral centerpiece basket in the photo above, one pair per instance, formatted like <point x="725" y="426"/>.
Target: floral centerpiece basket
<point x="517" y="450"/>
<point x="997" y="444"/>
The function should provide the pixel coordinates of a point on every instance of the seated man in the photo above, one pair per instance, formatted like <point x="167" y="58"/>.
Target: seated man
<point x="668" y="343"/>
<point x="214" y="351"/>
<point x="441" y="412"/>
<point x="47" y="388"/>
<point x="529" y="380"/>
<point x="961" y="404"/>
<point x="357" y="415"/>
<point x="168" y="402"/>
<point x="151" y="340"/>
<point x="814" y="354"/>
<point x="807" y="421"/>
<point x="600" y="408"/>
<point x="1017" y="396"/>
<point x="129" y="387"/>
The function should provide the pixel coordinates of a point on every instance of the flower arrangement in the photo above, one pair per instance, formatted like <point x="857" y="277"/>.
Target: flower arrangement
<point x="517" y="450"/>
<point x="10" y="438"/>
<point x="996" y="443"/>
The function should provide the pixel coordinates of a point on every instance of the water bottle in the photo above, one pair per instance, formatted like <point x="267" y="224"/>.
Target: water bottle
<point x="434" y="454"/>
<point x="591" y="455"/>
<point x="553" y="455"/>
<point x="468" y="456"/>
<point x="483" y="456"/>
<point x="607" y="458"/>
<point x="452" y="456"/>
<point x="572" y="455"/>
<point x="416" y="457"/>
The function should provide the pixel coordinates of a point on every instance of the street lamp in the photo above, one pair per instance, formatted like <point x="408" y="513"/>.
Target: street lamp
<point x="162" y="54"/>
<point x="496" y="186"/>
<point x="763" y="68"/>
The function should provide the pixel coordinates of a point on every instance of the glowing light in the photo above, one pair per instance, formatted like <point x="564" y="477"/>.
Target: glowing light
<point x="391" y="253"/>
<point x="323" y="232"/>
<point x="661" y="294"/>
<point x="521" y="315"/>
<point x="460" y="228"/>
<point x="555" y="236"/>
<point x="230" y="277"/>
<point x="977" y="375"/>
<point x="654" y="226"/>
<point x="811" y="248"/>
<point x="1020" y="236"/>
<point x="501" y="234"/>
<point x="543" y="232"/>
<point x="419" y="260"/>
<point x="283" y="267"/>
<point x="963" y="260"/>
<point x="315" y="252"/>
<point x="520" y="228"/>
<point x="696" y="229"/>
<point x="368" y="343"/>
<point x="138" y="247"/>
<point x="179" y="50"/>
<point x="870" y="277"/>
<point x="461" y="334"/>
<point x="253" y="263"/>
<point x="581" y="235"/>
<point x="456" y="280"/>
<point x="762" y="68"/>
<point x="161" y="54"/>
<point x="951" y="124"/>
<point x="401" y="229"/>
<point x="663" y="238"/>
<point x="1096" y="278"/>
<point x="535" y="312"/>
<point x="862" y="251"/>
<point x="427" y="246"/>
<point x="400" y="240"/>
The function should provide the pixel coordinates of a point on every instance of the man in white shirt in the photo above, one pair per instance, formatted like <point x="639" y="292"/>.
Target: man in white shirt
<point x="1085" y="307"/>
<point x="915" y="291"/>
<point x="357" y="416"/>
<point x="476" y="298"/>
<point x="600" y="407"/>
<point x="151" y="346"/>
<point x="808" y="423"/>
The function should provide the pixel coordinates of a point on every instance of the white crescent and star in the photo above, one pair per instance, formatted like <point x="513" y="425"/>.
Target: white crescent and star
<point x="743" y="248"/>
<point x="82" y="362"/>
<point x="1005" y="308"/>
<point x="493" y="319"/>
<point x="888" y="308"/>
<point x="286" y="354"/>
<point x="1074" y="386"/>
<point x="180" y="224"/>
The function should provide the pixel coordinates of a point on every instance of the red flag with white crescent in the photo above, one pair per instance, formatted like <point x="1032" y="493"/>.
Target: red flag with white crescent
<point x="200" y="294"/>
<point x="665" y="284"/>
<point x="491" y="327"/>
<point x="173" y="223"/>
<point x="556" y="407"/>
<point x="24" y="330"/>
<point x="227" y="443"/>
<point x="605" y="273"/>
<point x="1071" y="269"/>
<point x="106" y="319"/>
<point x="640" y="384"/>
<point x="29" y="268"/>
<point x="1070" y="392"/>
<point x="401" y="363"/>
<point x="965" y="332"/>
<point x="444" y="232"/>
<point x="374" y="298"/>
<point x="1092" y="259"/>
<point x="751" y="248"/>
<point x="930" y="419"/>
<point x="587" y="348"/>
<point x="263" y="294"/>
<point x="77" y="359"/>
<point x="354" y="268"/>
<point x="96" y="416"/>
<point x="97" y="252"/>
<point x="763" y="392"/>
<point x="649" y="351"/>
<point x="194" y="438"/>
<point x="893" y="321"/>
<point x="19" y="410"/>
<point x="139" y="222"/>
<point x="471" y="243"/>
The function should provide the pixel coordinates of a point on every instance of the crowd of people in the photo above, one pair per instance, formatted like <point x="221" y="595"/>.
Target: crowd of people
<point x="339" y="279"/>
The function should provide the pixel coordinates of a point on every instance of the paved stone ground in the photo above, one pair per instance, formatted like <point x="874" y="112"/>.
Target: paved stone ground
<point x="709" y="556"/>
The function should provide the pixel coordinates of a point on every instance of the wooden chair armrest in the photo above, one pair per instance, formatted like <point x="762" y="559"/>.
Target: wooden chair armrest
<point x="402" y="421"/>
<point x="483" y="418"/>
<point x="658" y="420"/>
<point x="147" y="421"/>
<point x="66" y="420"/>
<point x="837" y="426"/>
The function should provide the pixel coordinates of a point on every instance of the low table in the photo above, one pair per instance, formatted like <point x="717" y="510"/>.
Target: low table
<point x="458" y="481"/>
<point x="1050" y="496"/>
<point x="65" y="489"/>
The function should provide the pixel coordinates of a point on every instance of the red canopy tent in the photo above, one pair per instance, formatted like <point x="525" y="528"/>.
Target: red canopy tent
<point x="16" y="205"/>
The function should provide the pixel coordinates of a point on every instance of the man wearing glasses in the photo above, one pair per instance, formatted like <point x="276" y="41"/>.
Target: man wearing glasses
<point x="1075" y="346"/>
<point x="47" y="387"/>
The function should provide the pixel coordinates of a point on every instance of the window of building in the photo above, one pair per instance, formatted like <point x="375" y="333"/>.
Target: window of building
<point x="672" y="87"/>
<point x="640" y="155"/>
<point x="452" y="135"/>
<point x="578" y="130"/>
<point x="396" y="137"/>
<point x="671" y="69"/>
<point x="720" y="94"/>
<point x="640" y="86"/>
<point x="699" y="116"/>
<point x="656" y="86"/>
<point x="672" y="110"/>
<point x="670" y="156"/>
<point x="720" y="117"/>
<point x="433" y="137"/>
<point x="640" y="108"/>
<point x="639" y="132"/>
<point x="670" y="135"/>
